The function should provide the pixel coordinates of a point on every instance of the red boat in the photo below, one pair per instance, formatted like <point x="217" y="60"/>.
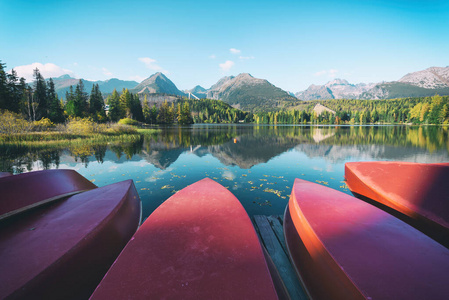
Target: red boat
<point x="25" y="191"/>
<point x="417" y="193"/>
<point x="199" y="244"/>
<point x="345" y="248"/>
<point x="63" y="249"/>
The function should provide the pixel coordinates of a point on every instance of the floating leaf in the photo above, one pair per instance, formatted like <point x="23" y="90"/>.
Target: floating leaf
<point x="167" y="187"/>
<point x="263" y="203"/>
<point x="276" y="192"/>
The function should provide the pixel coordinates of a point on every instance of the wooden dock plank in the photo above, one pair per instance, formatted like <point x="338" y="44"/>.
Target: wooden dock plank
<point x="278" y="255"/>
<point x="276" y="223"/>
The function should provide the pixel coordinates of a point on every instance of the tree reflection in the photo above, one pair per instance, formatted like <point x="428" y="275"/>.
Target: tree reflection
<point x="242" y="145"/>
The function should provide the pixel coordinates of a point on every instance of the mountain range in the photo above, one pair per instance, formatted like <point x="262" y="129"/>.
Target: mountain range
<point x="428" y="82"/>
<point x="63" y="83"/>
<point x="253" y="94"/>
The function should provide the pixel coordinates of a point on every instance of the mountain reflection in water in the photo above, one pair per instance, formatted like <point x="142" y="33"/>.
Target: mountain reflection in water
<point x="257" y="163"/>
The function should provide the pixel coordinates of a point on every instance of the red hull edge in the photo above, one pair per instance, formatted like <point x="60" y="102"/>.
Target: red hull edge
<point x="29" y="190"/>
<point x="61" y="251"/>
<point x="5" y="174"/>
<point x="416" y="193"/>
<point x="199" y="244"/>
<point x="344" y="248"/>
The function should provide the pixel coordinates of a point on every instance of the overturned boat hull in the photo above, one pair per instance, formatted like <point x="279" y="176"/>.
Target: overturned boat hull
<point x="345" y="248"/>
<point x="199" y="244"/>
<point x="29" y="190"/>
<point x="416" y="193"/>
<point x="62" y="250"/>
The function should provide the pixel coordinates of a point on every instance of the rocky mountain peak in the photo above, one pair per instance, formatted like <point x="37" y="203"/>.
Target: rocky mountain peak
<point x="334" y="89"/>
<point x="65" y="76"/>
<point x="157" y="83"/>
<point x="430" y="78"/>
<point x="337" y="81"/>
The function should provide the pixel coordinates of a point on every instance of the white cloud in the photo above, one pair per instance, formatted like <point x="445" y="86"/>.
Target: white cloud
<point x="246" y="57"/>
<point x="234" y="51"/>
<point x="47" y="70"/>
<point x="212" y="56"/>
<point x="151" y="64"/>
<point x="330" y="73"/>
<point x="333" y="72"/>
<point x="228" y="175"/>
<point x="137" y="78"/>
<point x="226" y="66"/>
<point x="107" y="72"/>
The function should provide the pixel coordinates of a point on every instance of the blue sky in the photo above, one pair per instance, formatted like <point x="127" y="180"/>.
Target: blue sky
<point x="292" y="44"/>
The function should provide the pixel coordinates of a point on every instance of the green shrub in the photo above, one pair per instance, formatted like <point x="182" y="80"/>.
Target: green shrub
<point x="43" y="124"/>
<point x="121" y="129"/>
<point x="12" y="123"/>
<point x="80" y="126"/>
<point x="127" y="121"/>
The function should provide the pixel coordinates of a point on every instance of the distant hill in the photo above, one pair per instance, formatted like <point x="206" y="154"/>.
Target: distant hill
<point x="63" y="83"/>
<point x="157" y="84"/>
<point x="249" y="93"/>
<point x="428" y="82"/>
<point x="198" y="91"/>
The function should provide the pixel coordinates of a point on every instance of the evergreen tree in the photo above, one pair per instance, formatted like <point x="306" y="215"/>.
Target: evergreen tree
<point x="80" y="100"/>
<point x="163" y="116"/>
<point x="70" y="102"/>
<point x="11" y="90"/>
<point x="171" y="113"/>
<point x="125" y="104"/>
<point x="114" y="106"/>
<point x="184" y="115"/>
<point x="444" y="115"/>
<point x="136" y="108"/>
<point x="40" y="103"/>
<point x="146" y="110"/>
<point x="153" y="114"/>
<point x="435" y="108"/>
<point x="55" y="110"/>
<point x="96" y="104"/>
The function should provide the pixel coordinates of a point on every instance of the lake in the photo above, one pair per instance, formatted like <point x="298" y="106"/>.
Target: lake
<point x="258" y="164"/>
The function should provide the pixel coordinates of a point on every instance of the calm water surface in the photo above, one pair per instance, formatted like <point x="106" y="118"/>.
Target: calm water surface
<point x="258" y="164"/>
